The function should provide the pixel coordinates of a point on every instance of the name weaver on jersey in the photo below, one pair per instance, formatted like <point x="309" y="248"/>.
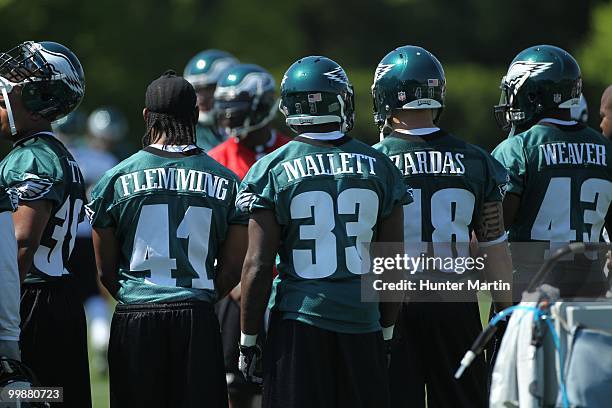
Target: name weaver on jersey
<point x="175" y="179"/>
<point x="573" y="153"/>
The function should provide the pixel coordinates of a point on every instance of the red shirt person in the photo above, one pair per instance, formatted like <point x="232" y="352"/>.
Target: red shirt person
<point x="239" y="155"/>
<point x="244" y="104"/>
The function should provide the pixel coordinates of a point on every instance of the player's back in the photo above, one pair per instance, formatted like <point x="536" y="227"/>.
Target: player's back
<point x="563" y="176"/>
<point x="170" y="211"/>
<point x="451" y="180"/>
<point x="329" y="198"/>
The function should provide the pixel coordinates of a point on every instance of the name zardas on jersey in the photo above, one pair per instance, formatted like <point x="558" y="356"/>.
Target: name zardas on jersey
<point x="174" y="179"/>
<point x="572" y="153"/>
<point x="429" y="162"/>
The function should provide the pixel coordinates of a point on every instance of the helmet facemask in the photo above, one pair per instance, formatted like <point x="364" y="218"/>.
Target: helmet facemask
<point x="245" y="108"/>
<point x="501" y="111"/>
<point x="24" y="63"/>
<point x="6" y="87"/>
<point x="19" y="66"/>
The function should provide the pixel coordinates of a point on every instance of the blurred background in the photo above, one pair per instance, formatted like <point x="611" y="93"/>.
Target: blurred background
<point x="124" y="45"/>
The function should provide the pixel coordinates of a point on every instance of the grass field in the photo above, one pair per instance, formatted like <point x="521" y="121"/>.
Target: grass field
<point x="99" y="383"/>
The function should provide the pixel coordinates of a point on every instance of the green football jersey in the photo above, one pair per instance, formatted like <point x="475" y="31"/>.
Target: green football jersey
<point x="207" y="137"/>
<point x="564" y="180"/>
<point x="451" y="180"/>
<point x="329" y="199"/>
<point x="171" y="212"/>
<point x="40" y="168"/>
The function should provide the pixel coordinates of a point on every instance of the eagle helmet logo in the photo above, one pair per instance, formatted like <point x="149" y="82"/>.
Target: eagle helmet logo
<point x="381" y="71"/>
<point x="337" y="74"/>
<point x="520" y="71"/>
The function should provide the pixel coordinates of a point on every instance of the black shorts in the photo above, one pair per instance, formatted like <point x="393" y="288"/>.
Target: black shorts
<point x="429" y="342"/>
<point x="228" y="312"/>
<point x="166" y="355"/>
<point x="54" y="339"/>
<point x="306" y="367"/>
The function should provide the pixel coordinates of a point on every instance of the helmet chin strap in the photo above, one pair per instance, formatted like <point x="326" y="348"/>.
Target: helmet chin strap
<point x="245" y="129"/>
<point x="4" y="84"/>
<point x="385" y="130"/>
<point x="512" y="130"/>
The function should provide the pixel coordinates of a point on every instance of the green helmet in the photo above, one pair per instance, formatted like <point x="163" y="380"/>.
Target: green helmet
<point x="315" y="90"/>
<point x="408" y="77"/>
<point x="50" y="76"/>
<point x="245" y="100"/>
<point x="206" y="67"/>
<point x="540" y="79"/>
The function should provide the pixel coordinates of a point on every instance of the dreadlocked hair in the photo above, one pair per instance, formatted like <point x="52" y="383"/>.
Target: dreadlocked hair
<point x="179" y="130"/>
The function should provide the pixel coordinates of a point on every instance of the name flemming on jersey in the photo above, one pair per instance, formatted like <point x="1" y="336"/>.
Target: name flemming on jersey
<point x="174" y="179"/>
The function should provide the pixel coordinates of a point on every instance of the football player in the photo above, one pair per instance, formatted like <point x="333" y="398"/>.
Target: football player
<point x="168" y="244"/>
<point x="316" y="201"/>
<point x="245" y="103"/>
<point x="605" y="111"/>
<point x="42" y="82"/>
<point x="457" y="190"/>
<point x="560" y="177"/>
<point x="9" y="278"/>
<point x="203" y="71"/>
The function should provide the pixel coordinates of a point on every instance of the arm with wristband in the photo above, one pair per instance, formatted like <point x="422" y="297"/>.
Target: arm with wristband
<point x="264" y="237"/>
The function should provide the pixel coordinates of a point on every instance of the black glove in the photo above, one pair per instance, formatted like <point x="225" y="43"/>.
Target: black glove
<point x="250" y="364"/>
